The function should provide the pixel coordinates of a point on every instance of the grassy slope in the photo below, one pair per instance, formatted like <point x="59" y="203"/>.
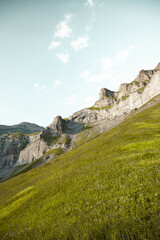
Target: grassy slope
<point x="108" y="188"/>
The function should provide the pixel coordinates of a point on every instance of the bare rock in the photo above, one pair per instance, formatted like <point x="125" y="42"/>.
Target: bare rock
<point x="157" y="68"/>
<point x="10" y="148"/>
<point x="106" y="98"/>
<point x="105" y="93"/>
<point x="55" y="129"/>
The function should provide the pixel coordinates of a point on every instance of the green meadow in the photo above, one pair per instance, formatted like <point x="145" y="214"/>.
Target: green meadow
<point x="107" y="188"/>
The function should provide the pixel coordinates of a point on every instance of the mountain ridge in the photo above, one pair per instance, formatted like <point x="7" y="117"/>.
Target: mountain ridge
<point x="63" y="135"/>
<point x="23" y="127"/>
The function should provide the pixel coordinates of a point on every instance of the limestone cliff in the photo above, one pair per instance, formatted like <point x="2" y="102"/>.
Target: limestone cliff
<point x="56" y="136"/>
<point x="112" y="105"/>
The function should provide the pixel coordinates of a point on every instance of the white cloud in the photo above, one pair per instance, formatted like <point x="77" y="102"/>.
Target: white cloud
<point x="43" y="87"/>
<point x="70" y="100"/>
<point x="90" y="24"/>
<point x="3" y="101"/>
<point x="62" y="29"/>
<point x="101" y="77"/>
<point x="107" y="63"/>
<point x="36" y="85"/>
<point x="81" y="42"/>
<point x="64" y="57"/>
<point x="122" y="55"/>
<point x="85" y="74"/>
<point x="40" y="88"/>
<point x="54" y="44"/>
<point x="89" y="3"/>
<point x="68" y="17"/>
<point x="57" y="83"/>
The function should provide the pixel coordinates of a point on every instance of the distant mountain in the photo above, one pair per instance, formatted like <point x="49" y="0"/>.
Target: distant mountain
<point x="24" y="127"/>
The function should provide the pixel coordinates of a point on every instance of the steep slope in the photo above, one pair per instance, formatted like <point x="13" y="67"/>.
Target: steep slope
<point x="108" y="188"/>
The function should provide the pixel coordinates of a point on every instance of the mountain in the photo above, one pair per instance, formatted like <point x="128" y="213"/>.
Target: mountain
<point x="63" y="135"/>
<point x="23" y="127"/>
<point x="105" y="188"/>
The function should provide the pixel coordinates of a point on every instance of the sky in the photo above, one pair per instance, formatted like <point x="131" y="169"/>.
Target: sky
<point x="56" y="55"/>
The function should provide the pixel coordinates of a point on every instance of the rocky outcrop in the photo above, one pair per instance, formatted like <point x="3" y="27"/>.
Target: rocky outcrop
<point x="10" y="148"/>
<point x="106" y="93"/>
<point x="51" y="137"/>
<point x="55" y="129"/>
<point x="106" y="98"/>
<point x="130" y="96"/>
<point x="42" y="143"/>
<point x="23" y="127"/>
<point x="141" y="81"/>
<point x="34" y="150"/>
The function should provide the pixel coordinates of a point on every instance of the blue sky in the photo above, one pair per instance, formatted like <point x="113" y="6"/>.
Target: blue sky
<point x="55" y="55"/>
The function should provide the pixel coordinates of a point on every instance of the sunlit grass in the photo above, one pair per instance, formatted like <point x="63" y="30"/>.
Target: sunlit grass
<point x="107" y="188"/>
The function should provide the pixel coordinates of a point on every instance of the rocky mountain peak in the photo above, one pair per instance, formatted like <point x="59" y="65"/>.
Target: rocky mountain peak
<point x="104" y="92"/>
<point x="56" y="128"/>
<point x="144" y="75"/>
<point x="58" y="125"/>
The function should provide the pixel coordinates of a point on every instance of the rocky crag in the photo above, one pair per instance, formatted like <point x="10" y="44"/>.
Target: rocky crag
<point x="111" y="109"/>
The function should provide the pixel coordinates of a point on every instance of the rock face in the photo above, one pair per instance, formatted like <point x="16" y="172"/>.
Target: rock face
<point x="55" y="129"/>
<point x="40" y="144"/>
<point x="130" y="96"/>
<point x="107" y="112"/>
<point x="10" y="148"/>
<point x="34" y="150"/>
<point x="104" y="92"/>
<point x="51" y="137"/>
<point x="106" y="98"/>
<point x="23" y="127"/>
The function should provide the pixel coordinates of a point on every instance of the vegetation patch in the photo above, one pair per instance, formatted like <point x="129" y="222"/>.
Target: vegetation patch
<point x="56" y="151"/>
<point x="66" y="140"/>
<point x="140" y="90"/>
<point x="137" y="83"/>
<point x="95" y="108"/>
<point x="65" y="120"/>
<point x="124" y="97"/>
<point x="50" y="140"/>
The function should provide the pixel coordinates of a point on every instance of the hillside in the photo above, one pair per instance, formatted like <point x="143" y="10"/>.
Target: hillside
<point x="107" y="188"/>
